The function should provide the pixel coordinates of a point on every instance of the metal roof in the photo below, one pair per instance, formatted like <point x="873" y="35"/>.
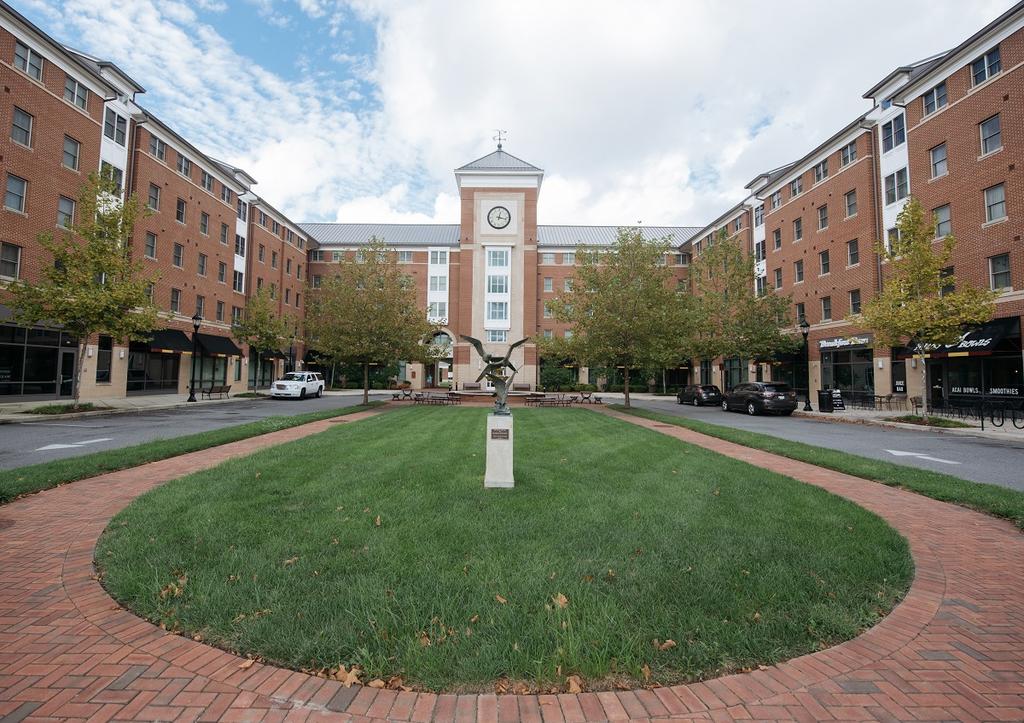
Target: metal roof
<point x="427" y="234"/>
<point x="912" y="71"/>
<point x="499" y="160"/>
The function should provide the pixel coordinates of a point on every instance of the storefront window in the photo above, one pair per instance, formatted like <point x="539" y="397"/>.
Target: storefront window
<point x="151" y="371"/>
<point x="850" y="370"/>
<point x="734" y="372"/>
<point x="30" y="359"/>
<point x="211" y="370"/>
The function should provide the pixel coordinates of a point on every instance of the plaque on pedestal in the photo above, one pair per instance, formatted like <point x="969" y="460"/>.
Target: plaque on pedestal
<point x="499" y="451"/>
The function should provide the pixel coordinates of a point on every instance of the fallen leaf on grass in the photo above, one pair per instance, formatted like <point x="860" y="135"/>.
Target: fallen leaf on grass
<point x="424" y="640"/>
<point x="291" y="560"/>
<point x="348" y="677"/>
<point x="574" y="684"/>
<point x="560" y="600"/>
<point x="375" y="683"/>
<point x="376" y="521"/>
<point x="500" y="599"/>
<point x="246" y="664"/>
<point x="646" y="670"/>
<point x="475" y="619"/>
<point x="667" y="645"/>
<point x="757" y="617"/>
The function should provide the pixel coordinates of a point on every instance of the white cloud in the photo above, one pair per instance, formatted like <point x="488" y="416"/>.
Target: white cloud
<point x="637" y="111"/>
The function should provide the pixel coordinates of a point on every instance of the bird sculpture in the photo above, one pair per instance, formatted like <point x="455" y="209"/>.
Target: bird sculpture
<point x="494" y="372"/>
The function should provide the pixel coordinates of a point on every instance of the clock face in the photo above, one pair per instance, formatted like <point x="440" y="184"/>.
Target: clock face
<point x="499" y="217"/>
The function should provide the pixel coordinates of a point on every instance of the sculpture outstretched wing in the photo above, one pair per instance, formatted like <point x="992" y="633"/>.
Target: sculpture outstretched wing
<point x="508" y="354"/>
<point x="476" y="345"/>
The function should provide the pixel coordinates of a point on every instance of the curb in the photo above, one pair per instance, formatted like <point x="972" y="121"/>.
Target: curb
<point x="972" y="432"/>
<point x="27" y="417"/>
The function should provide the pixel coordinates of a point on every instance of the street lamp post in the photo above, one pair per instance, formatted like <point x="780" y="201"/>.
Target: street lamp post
<point x="291" y="351"/>
<point x="805" y="329"/>
<point x="197" y="320"/>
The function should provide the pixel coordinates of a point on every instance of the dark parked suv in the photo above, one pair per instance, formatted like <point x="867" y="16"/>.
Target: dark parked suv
<point x="760" y="397"/>
<point x="699" y="394"/>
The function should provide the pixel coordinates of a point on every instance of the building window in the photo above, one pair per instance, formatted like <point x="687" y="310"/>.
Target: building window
<point x="261" y="253"/>
<point x="28" y="61"/>
<point x="852" y="252"/>
<point x="179" y="256"/>
<point x="798" y="229"/>
<point x="207" y="181"/>
<point x="201" y="265"/>
<point x="737" y="224"/>
<point x="943" y="222"/>
<point x="497" y="310"/>
<point x="826" y="308"/>
<point x="776" y="200"/>
<point x="10" y="260"/>
<point x="938" y="160"/>
<point x="999" y="272"/>
<point x="851" y="203"/>
<point x="75" y="93"/>
<point x="21" y="127"/>
<point x="204" y="223"/>
<point x="405" y="257"/>
<point x="153" y="200"/>
<point x="243" y="210"/>
<point x="896" y="186"/>
<point x="175" y="300"/>
<point x="759" y="214"/>
<point x="498" y="336"/>
<point x="225" y="194"/>
<point x="947" y="287"/>
<point x="17" y="190"/>
<point x="224" y="234"/>
<point x="986" y="66"/>
<point x="801" y="314"/>
<point x="72" y="150"/>
<point x="498" y="258"/>
<point x="316" y="281"/>
<point x="549" y="284"/>
<point x="287" y="296"/>
<point x="65" y="212"/>
<point x="437" y="310"/>
<point x="115" y="126"/>
<point x="569" y="257"/>
<point x="796" y="186"/>
<point x="157" y="148"/>
<point x="894" y="133"/>
<point x="778" y="278"/>
<point x="236" y="315"/>
<point x="275" y="227"/>
<point x="200" y="305"/>
<point x="547" y="311"/>
<point x="287" y="266"/>
<point x="298" y="298"/>
<point x="823" y="261"/>
<point x="273" y="256"/>
<point x="113" y="174"/>
<point x="995" y="203"/>
<point x="567" y="285"/>
<point x="184" y="166"/>
<point x="821" y="171"/>
<point x="798" y="271"/>
<point x="547" y="258"/>
<point x="496" y="284"/>
<point x="991" y="135"/>
<point x="179" y="210"/>
<point x="935" y="98"/>
<point x="892" y="238"/>
<point x="759" y="286"/>
<point x="298" y="271"/>
<point x="222" y="272"/>
<point x="822" y="217"/>
<point x="848" y="153"/>
<point x="440" y="283"/>
<point x="240" y="246"/>
<point x="777" y="238"/>
<point x="219" y="311"/>
<point x="150" y="246"/>
<point x="855" y="301"/>
<point x="548" y="334"/>
<point x="438" y="258"/>
<point x="238" y="282"/>
<point x="104" y="355"/>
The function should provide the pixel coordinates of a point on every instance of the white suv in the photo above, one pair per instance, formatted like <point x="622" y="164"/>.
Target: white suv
<point x="298" y="384"/>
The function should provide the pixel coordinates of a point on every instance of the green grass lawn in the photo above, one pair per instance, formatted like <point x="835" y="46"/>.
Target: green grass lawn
<point x="279" y="554"/>
<point x="36" y="477"/>
<point x="991" y="499"/>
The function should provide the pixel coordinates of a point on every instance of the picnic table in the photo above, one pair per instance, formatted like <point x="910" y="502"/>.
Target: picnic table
<point x="437" y="399"/>
<point x="402" y="395"/>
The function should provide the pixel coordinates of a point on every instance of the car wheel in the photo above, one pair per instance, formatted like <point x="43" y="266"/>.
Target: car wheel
<point x="725" y="406"/>
<point x="319" y="392"/>
<point x="679" y="400"/>
<point x="787" y="413"/>
<point x="696" y="402"/>
<point x="751" y="409"/>
<point x="302" y="394"/>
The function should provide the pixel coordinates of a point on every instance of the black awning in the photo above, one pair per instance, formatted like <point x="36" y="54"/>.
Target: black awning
<point x="274" y="354"/>
<point x="218" y="345"/>
<point x="998" y="335"/>
<point x="170" y="341"/>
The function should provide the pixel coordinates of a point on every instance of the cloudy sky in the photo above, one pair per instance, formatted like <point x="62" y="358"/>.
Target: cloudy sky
<point x="652" y="111"/>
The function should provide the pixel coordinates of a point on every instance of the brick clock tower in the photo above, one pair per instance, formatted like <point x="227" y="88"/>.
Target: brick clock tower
<point x="497" y="260"/>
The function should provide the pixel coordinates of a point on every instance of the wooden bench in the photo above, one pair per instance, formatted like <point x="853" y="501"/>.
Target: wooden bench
<point x="220" y="389"/>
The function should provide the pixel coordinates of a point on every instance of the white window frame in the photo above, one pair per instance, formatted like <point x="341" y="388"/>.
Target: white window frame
<point x="894" y="133"/>
<point x="848" y="154"/>
<point x="948" y="221"/>
<point x="438" y="282"/>
<point x="939" y="166"/>
<point x="992" y="273"/>
<point x="117" y="125"/>
<point x="796" y="186"/>
<point x="438" y="258"/>
<point x="28" y="131"/>
<point x="798" y="228"/>
<point x="22" y="195"/>
<point x="149" y="245"/>
<point x="495" y="306"/>
<point x="986" y="68"/>
<point x="5" y="249"/>
<point x="77" y="154"/>
<point x="23" y="61"/>
<point x="938" y="97"/>
<point x="986" y="140"/>
<point x="497" y="336"/>
<point x="820" y="171"/>
<point x="859" y="302"/>
<point x="823" y="218"/>
<point x="404" y="257"/>
<point x="63" y="213"/>
<point x="900" y="181"/>
<point x="846" y="202"/>
<point x="989" y="205"/>
<point x="78" y="92"/>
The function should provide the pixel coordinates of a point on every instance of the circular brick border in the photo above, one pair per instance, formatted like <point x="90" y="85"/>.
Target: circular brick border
<point x="953" y="648"/>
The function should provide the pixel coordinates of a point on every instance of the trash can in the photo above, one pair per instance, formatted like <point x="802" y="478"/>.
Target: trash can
<point x="825" y="400"/>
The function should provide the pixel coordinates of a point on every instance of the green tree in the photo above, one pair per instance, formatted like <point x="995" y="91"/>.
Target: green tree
<point x="366" y="313"/>
<point x="93" y="286"/>
<point x="261" y="327"/>
<point x="725" y="317"/>
<point x="623" y="307"/>
<point x="920" y="305"/>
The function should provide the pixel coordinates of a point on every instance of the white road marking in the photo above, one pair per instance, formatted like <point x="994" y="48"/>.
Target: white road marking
<point x="898" y="453"/>
<point x="74" y="445"/>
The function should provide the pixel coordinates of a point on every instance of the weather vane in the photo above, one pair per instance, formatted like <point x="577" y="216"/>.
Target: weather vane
<point x="502" y="135"/>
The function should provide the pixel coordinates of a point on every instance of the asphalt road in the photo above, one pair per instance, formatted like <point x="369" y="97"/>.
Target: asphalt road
<point x="42" y="441"/>
<point x="972" y="458"/>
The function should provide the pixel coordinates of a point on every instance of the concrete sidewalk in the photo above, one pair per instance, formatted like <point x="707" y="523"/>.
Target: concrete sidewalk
<point x="884" y="419"/>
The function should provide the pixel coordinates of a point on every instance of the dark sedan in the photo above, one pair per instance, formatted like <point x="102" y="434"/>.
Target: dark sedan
<point x="700" y="394"/>
<point x="761" y="397"/>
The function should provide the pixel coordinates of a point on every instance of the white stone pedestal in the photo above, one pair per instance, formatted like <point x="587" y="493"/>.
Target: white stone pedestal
<point x="499" y="452"/>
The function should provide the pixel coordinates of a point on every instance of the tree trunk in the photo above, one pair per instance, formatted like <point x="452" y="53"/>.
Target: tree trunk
<point x="664" y="384"/>
<point x="625" y="388"/>
<point x="926" y="393"/>
<point x="79" y="365"/>
<point x="366" y="382"/>
<point x="259" y="375"/>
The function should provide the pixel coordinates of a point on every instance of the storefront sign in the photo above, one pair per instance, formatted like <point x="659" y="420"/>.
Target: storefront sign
<point x="842" y="342"/>
<point x="1013" y="391"/>
<point x="899" y="386"/>
<point x="837" y="400"/>
<point x="964" y="390"/>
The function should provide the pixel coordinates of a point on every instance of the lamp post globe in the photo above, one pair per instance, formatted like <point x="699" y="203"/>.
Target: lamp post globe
<point x="805" y="329"/>
<point x="197" y="321"/>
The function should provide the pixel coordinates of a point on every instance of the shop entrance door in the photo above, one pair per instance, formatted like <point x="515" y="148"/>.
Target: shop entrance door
<point x="937" y="379"/>
<point x="66" y="387"/>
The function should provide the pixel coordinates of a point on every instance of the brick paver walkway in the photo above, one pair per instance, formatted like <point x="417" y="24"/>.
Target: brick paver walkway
<point x="954" y="649"/>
